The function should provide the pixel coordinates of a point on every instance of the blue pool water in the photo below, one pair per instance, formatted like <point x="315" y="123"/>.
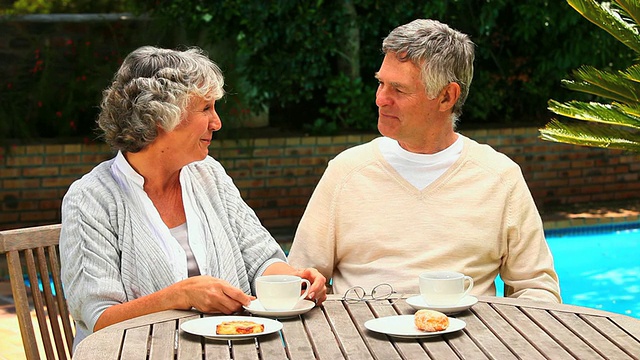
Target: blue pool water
<point x="599" y="270"/>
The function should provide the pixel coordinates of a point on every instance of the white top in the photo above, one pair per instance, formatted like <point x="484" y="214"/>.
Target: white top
<point x="420" y="170"/>
<point x="133" y="184"/>
<point x="180" y="233"/>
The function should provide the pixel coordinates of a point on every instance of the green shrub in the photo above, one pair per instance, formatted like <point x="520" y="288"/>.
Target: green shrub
<point x="290" y="52"/>
<point x="298" y="59"/>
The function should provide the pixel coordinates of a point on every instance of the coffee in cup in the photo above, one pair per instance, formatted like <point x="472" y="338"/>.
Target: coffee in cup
<point x="280" y="292"/>
<point x="444" y="288"/>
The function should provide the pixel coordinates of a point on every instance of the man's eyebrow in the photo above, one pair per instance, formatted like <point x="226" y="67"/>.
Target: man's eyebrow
<point x="395" y="85"/>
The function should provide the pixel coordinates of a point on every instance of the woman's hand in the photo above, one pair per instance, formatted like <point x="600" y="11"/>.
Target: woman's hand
<point x="204" y="293"/>
<point x="209" y="295"/>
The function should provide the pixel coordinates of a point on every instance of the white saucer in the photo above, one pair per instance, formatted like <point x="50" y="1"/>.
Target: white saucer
<point x="417" y="302"/>
<point x="301" y="307"/>
<point x="403" y="326"/>
<point x="207" y="326"/>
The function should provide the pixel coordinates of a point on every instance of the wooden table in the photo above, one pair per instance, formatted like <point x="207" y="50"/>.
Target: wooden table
<point x="496" y="328"/>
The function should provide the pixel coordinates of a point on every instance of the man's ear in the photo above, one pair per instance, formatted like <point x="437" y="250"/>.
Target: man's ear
<point x="449" y="96"/>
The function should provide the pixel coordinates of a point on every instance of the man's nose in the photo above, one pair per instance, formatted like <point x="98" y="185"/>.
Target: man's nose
<point x="382" y="98"/>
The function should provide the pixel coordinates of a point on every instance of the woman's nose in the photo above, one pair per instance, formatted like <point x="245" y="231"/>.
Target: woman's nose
<point x="215" y="123"/>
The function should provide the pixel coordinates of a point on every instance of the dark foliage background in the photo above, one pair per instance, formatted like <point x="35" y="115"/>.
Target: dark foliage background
<point x="311" y="63"/>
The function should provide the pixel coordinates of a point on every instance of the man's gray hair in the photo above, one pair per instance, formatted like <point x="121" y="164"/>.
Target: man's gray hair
<point x="444" y="55"/>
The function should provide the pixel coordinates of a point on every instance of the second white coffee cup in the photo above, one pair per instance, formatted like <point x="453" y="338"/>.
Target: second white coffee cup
<point x="444" y="288"/>
<point x="280" y="292"/>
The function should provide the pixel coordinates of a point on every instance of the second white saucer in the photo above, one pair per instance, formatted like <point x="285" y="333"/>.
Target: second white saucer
<point x="417" y="302"/>
<point x="301" y="307"/>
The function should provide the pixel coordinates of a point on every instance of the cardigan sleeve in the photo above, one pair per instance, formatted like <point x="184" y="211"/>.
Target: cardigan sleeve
<point x="89" y="255"/>
<point x="259" y="249"/>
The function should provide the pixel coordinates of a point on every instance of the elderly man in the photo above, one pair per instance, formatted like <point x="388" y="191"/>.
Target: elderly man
<point x="422" y="196"/>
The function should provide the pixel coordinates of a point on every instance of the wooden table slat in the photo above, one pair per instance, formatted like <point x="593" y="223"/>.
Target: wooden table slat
<point x="511" y="338"/>
<point x="216" y="350"/>
<point x="612" y="332"/>
<point x="109" y="344"/>
<point x="536" y="336"/>
<point x="496" y="328"/>
<point x="163" y="338"/>
<point x="631" y="325"/>
<point x="590" y="336"/>
<point x="244" y="349"/>
<point x="562" y="335"/>
<point x="378" y="344"/>
<point x="189" y="345"/>
<point x="135" y="343"/>
<point x="349" y="339"/>
<point x="485" y="339"/>
<point x="461" y="343"/>
<point x="296" y="340"/>
<point x="322" y="337"/>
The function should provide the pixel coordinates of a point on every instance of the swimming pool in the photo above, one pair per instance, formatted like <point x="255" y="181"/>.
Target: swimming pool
<point x="598" y="267"/>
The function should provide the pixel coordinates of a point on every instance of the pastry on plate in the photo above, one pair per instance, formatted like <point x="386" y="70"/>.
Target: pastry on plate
<point x="239" y="327"/>
<point x="431" y="320"/>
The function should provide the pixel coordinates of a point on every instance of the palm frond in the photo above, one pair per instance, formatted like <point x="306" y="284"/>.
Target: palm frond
<point x="610" y="20"/>
<point x="587" y="88"/>
<point x="632" y="9"/>
<point x="599" y="136"/>
<point x="615" y="125"/>
<point x="629" y="109"/>
<point x="594" y="112"/>
<point x="632" y="73"/>
<point x="606" y="84"/>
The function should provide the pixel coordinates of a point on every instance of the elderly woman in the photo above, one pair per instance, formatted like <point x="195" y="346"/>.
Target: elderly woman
<point x="162" y="226"/>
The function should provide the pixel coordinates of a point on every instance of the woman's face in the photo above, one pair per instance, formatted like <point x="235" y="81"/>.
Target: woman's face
<point x="190" y="140"/>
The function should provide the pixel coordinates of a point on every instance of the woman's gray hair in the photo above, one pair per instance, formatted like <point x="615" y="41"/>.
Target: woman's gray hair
<point x="444" y="55"/>
<point x="152" y="89"/>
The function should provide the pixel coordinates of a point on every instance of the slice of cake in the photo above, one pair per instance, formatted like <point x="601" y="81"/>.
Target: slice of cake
<point x="239" y="327"/>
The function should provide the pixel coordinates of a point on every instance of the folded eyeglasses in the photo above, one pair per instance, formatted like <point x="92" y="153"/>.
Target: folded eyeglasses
<point x="380" y="293"/>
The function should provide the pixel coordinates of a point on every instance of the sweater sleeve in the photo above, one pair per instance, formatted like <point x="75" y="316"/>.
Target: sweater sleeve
<point x="314" y="243"/>
<point x="528" y="270"/>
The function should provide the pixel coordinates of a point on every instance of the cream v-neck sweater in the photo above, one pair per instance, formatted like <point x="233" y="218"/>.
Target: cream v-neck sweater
<point x="365" y="224"/>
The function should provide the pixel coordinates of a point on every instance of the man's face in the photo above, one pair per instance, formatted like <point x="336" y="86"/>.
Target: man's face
<point x="405" y="112"/>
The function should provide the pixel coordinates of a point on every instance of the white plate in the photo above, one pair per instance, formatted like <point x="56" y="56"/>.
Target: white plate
<point x="403" y="326"/>
<point x="207" y="326"/>
<point x="301" y="307"/>
<point x="418" y="303"/>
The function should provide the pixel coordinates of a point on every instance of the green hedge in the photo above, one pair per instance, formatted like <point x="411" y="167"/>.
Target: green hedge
<point x="293" y="53"/>
<point x="297" y="59"/>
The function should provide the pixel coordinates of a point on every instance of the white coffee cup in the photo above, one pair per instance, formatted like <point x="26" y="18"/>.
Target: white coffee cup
<point x="280" y="292"/>
<point x="444" y="288"/>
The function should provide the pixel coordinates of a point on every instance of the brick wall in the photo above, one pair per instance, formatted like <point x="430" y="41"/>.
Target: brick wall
<point x="276" y="176"/>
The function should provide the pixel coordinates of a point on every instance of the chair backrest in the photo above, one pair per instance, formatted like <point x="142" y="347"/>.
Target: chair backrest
<point x="34" y="249"/>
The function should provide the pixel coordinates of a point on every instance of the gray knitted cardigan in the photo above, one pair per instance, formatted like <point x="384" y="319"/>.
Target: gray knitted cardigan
<point x="109" y="255"/>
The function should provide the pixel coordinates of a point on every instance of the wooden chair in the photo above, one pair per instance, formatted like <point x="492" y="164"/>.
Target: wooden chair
<point x="37" y="247"/>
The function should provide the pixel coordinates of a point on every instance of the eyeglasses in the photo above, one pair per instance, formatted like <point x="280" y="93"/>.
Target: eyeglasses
<point x="379" y="293"/>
